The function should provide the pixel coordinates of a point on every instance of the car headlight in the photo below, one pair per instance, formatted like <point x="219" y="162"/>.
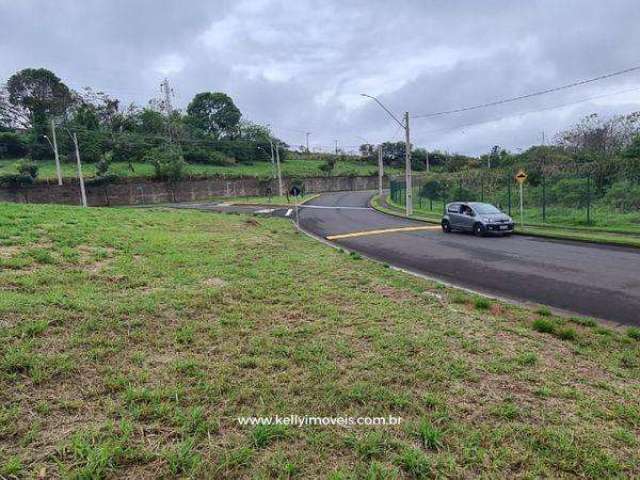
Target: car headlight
<point x="486" y="219"/>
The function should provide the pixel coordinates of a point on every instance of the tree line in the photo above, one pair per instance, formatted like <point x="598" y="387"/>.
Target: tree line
<point x="210" y="131"/>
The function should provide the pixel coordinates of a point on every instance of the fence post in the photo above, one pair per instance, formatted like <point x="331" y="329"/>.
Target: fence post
<point x="544" y="198"/>
<point x="509" y="191"/>
<point x="589" y="199"/>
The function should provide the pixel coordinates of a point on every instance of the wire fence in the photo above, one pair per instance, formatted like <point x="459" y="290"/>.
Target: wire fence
<point x="552" y="198"/>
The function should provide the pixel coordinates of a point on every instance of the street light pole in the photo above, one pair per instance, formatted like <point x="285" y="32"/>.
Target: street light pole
<point x="55" y="152"/>
<point x="83" y="193"/>
<point x="407" y="156"/>
<point x="407" y="167"/>
<point x="280" y="190"/>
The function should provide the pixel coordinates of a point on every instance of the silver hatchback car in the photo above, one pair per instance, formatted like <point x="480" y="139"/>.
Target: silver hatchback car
<point x="476" y="217"/>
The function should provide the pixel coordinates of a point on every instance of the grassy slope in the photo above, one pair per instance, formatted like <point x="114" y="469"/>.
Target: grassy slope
<point x="131" y="339"/>
<point x="597" y="235"/>
<point x="293" y="167"/>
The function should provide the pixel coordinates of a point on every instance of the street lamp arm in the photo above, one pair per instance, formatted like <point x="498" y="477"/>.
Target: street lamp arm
<point x="385" y="109"/>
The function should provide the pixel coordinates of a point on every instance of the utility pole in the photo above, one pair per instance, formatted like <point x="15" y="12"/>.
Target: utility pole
<point x="280" y="190"/>
<point x="407" y="166"/>
<point x="544" y="182"/>
<point x="307" y="135"/>
<point x="273" y="160"/>
<point x="407" y="169"/>
<point x="336" y="148"/>
<point x="380" y="170"/>
<point x="428" y="162"/>
<point x="55" y="152"/>
<point x="83" y="194"/>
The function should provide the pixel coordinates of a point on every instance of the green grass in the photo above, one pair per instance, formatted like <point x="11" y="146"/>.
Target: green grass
<point x="132" y="346"/>
<point x="293" y="168"/>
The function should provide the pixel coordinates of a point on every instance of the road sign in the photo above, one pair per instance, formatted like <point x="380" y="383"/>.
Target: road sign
<point x="295" y="191"/>
<point x="521" y="176"/>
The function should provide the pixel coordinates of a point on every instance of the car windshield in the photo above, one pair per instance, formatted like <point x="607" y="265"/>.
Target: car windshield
<point x="484" y="208"/>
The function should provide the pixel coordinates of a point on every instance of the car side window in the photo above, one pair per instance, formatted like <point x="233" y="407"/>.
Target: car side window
<point x="454" y="208"/>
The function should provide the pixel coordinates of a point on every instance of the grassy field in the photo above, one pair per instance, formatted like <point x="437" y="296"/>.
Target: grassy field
<point x="293" y="167"/>
<point x="130" y="340"/>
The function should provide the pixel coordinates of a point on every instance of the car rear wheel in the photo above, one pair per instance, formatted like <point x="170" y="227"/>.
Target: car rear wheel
<point x="446" y="227"/>
<point x="478" y="230"/>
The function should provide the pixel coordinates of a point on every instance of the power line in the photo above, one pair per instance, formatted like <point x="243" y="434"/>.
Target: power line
<point x="529" y="95"/>
<point x="527" y="112"/>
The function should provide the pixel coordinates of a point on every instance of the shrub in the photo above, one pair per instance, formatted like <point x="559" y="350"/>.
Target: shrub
<point x="15" y="180"/>
<point x="543" y="325"/>
<point x="167" y="162"/>
<point x="203" y="155"/>
<point x="633" y="332"/>
<point x="27" y="168"/>
<point x="566" y="333"/>
<point x="329" y="165"/>
<point x="12" y="145"/>
<point x="625" y="196"/>
<point x="482" y="304"/>
<point x="218" y="158"/>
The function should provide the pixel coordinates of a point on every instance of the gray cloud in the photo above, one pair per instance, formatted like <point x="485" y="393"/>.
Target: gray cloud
<point x="301" y="66"/>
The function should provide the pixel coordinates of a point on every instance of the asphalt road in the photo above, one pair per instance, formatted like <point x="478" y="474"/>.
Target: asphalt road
<point x="594" y="280"/>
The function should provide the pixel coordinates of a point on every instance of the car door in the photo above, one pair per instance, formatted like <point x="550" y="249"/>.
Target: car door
<point x="467" y="219"/>
<point x="454" y="215"/>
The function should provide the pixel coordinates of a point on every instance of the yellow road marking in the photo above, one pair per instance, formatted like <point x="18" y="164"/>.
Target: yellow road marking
<point x="378" y="232"/>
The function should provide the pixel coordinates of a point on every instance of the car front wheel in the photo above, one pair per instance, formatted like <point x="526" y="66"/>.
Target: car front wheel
<point x="446" y="227"/>
<point x="478" y="230"/>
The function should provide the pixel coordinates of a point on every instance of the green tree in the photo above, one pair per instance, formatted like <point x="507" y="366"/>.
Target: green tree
<point x="42" y="94"/>
<point x="214" y="113"/>
<point x="167" y="161"/>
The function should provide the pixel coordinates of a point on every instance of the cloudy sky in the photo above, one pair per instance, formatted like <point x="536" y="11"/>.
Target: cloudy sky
<point x="301" y="65"/>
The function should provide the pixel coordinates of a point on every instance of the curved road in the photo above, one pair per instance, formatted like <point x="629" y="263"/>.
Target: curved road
<point x="594" y="280"/>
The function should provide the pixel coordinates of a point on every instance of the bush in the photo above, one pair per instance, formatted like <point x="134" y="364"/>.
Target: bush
<point x="195" y="154"/>
<point x="543" y="325"/>
<point x="567" y="333"/>
<point x="624" y="196"/>
<point x="27" y="168"/>
<point x="13" y="145"/>
<point x="482" y="304"/>
<point x="168" y="162"/>
<point x="15" y="180"/>
<point x="633" y="332"/>
<point x="329" y="165"/>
